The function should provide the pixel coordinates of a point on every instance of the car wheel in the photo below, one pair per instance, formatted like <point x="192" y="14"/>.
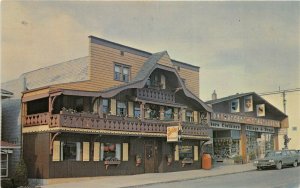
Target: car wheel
<point x="259" y="168"/>
<point x="279" y="166"/>
<point x="295" y="164"/>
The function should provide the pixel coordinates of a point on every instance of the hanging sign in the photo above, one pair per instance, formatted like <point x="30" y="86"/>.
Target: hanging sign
<point x="172" y="133"/>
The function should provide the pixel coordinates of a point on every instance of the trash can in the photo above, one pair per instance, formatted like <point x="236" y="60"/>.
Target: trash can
<point x="206" y="161"/>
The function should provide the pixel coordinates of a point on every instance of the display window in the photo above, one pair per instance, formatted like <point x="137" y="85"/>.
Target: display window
<point x="186" y="152"/>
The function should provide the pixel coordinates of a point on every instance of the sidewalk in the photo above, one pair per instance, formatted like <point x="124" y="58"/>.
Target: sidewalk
<point x="145" y="179"/>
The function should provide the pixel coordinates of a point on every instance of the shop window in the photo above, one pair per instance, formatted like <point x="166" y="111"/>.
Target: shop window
<point x="168" y="113"/>
<point x="137" y="111"/>
<point x="189" y="116"/>
<point x="121" y="108"/>
<point x="121" y="73"/>
<point x="4" y="165"/>
<point x="105" y="106"/>
<point x="71" y="151"/>
<point x="110" y="151"/>
<point x="186" y="152"/>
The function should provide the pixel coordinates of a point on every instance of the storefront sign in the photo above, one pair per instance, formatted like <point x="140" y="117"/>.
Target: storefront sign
<point x="172" y="133"/>
<point x="260" y="129"/>
<point x="225" y="125"/>
<point x="244" y="119"/>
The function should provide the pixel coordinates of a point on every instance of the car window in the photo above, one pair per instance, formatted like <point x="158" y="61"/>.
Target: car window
<point x="293" y="152"/>
<point x="284" y="153"/>
<point x="278" y="153"/>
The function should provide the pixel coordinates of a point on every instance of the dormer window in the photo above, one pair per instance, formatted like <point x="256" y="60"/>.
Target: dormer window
<point x="122" y="72"/>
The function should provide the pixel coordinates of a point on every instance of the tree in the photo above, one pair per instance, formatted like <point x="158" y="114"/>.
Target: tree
<point x="20" y="176"/>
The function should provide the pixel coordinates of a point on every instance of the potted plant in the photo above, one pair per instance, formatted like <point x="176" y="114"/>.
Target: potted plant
<point x="238" y="159"/>
<point x="138" y="160"/>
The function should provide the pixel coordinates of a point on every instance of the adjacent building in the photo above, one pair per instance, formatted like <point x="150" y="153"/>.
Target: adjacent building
<point x="245" y="124"/>
<point x="10" y="148"/>
<point x="122" y="111"/>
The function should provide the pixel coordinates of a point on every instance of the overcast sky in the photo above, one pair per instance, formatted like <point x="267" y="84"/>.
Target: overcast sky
<point x="239" y="46"/>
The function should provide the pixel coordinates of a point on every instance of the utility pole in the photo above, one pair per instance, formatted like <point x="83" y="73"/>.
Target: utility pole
<point x="284" y="101"/>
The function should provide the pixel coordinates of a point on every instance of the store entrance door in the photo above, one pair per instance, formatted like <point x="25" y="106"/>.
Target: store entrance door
<point x="150" y="157"/>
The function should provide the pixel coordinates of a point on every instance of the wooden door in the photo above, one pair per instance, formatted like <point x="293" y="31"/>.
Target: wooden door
<point x="149" y="157"/>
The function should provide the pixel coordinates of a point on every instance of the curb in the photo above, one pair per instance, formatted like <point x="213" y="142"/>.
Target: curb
<point x="186" y="179"/>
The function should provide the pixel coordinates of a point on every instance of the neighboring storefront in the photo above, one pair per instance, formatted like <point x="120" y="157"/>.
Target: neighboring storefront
<point x="245" y="125"/>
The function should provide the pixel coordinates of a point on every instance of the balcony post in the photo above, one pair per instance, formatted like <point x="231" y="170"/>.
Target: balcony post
<point x="142" y="110"/>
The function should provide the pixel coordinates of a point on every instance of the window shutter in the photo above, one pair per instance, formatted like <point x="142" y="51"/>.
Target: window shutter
<point x="130" y="109"/>
<point x="125" y="151"/>
<point x="101" y="152"/>
<point x="118" y="151"/>
<point x="196" y="153"/>
<point x="175" y="114"/>
<point x="78" y="151"/>
<point x="195" y="116"/>
<point x="86" y="151"/>
<point x="96" y="151"/>
<point x="56" y="151"/>
<point x="113" y="106"/>
<point x="176" y="153"/>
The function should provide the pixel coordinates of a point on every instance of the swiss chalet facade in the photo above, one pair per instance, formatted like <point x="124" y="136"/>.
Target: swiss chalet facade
<point x="116" y="121"/>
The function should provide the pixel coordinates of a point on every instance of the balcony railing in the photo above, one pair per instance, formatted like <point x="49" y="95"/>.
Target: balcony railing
<point x="111" y="123"/>
<point x="156" y="95"/>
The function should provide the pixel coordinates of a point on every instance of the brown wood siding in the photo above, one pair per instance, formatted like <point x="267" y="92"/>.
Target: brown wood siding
<point x="103" y="59"/>
<point x="165" y="60"/>
<point x="36" y="154"/>
<point x="191" y="80"/>
<point x="101" y="70"/>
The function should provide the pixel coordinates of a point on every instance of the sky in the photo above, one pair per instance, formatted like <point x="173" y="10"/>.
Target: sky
<point x="239" y="46"/>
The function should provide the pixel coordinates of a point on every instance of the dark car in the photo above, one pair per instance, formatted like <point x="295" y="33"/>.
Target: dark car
<point x="278" y="159"/>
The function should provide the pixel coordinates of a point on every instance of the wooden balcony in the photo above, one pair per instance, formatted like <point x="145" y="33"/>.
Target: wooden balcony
<point x="163" y="96"/>
<point x="112" y="123"/>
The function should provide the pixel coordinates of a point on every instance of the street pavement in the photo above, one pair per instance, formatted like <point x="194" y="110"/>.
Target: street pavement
<point x="271" y="178"/>
<point x="147" y="179"/>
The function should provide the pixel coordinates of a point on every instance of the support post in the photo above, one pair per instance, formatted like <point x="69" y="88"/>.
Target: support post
<point x="243" y="143"/>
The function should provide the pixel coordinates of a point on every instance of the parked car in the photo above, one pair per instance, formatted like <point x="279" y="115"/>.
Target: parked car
<point x="278" y="159"/>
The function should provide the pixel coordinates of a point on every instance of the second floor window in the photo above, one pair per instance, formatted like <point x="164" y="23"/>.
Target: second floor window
<point x="122" y="73"/>
<point x="168" y="113"/>
<point x="189" y="116"/>
<point x="137" y="112"/>
<point x="121" y="108"/>
<point x="105" y="106"/>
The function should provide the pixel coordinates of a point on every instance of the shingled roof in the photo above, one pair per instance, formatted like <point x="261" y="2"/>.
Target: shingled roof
<point x="229" y="98"/>
<point x="70" y="71"/>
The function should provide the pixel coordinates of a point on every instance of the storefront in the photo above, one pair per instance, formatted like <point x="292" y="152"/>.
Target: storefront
<point x="240" y="129"/>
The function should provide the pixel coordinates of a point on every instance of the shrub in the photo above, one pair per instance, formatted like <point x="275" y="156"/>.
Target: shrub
<point x="6" y="183"/>
<point x="20" y="176"/>
<point x="238" y="159"/>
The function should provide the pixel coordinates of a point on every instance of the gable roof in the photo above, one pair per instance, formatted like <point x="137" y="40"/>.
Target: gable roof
<point x="75" y="70"/>
<point x="70" y="71"/>
<point x="140" y="80"/>
<point x="231" y="97"/>
<point x="228" y="98"/>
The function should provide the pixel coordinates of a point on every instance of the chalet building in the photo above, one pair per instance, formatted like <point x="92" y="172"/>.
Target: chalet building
<point x="118" y="111"/>
<point x="245" y="124"/>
